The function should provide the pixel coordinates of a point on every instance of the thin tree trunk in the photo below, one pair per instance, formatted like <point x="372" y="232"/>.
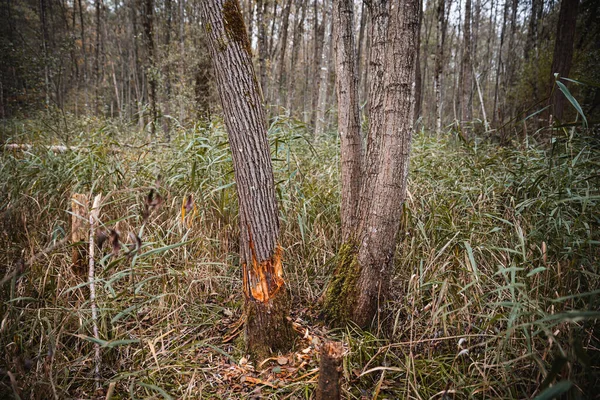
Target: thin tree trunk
<point x="495" y="110"/>
<point x="319" y="32"/>
<point x="563" y="51"/>
<point x="282" y="53"/>
<point x="182" y="57"/>
<point x="320" y="123"/>
<point x="418" y="76"/>
<point x="348" y="114"/>
<point x="296" y="43"/>
<point x="266" y="299"/>
<point x="151" y="78"/>
<point x="467" y="69"/>
<point x="439" y="63"/>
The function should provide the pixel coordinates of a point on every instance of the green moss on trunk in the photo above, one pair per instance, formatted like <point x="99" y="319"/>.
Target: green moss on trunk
<point x="341" y="291"/>
<point x="234" y="24"/>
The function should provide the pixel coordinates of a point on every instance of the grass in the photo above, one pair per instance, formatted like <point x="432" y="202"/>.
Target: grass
<point x="495" y="294"/>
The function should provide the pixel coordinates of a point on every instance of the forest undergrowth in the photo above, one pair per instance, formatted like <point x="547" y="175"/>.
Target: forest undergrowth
<point x="495" y="295"/>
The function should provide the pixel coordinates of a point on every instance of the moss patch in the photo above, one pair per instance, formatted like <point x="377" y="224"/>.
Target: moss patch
<point x="341" y="292"/>
<point x="234" y="24"/>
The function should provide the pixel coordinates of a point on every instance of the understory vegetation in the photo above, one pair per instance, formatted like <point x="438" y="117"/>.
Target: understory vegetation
<point x="495" y="293"/>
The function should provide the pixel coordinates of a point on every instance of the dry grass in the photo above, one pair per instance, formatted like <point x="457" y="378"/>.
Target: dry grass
<point x="495" y="295"/>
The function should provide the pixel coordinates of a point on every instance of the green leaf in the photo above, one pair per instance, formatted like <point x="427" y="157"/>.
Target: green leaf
<point x="536" y="271"/>
<point x="572" y="100"/>
<point x="554" y="391"/>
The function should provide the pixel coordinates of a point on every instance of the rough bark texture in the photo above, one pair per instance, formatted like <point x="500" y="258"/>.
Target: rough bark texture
<point x="379" y="11"/>
<point x="261" y="9"/>
<point x="365" y="261"/>
<point x="378" y="242"/>
<point x="563" y="50"/>
<point x="330" y="371"/>
<point x="348" y="114"/>
<point x="267" y="327"/>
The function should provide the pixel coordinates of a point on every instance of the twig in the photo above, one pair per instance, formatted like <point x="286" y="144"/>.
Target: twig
<point x="93" y="219"/>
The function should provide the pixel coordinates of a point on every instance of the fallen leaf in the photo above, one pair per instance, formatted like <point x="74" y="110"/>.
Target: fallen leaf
<point x="282" y="360"/>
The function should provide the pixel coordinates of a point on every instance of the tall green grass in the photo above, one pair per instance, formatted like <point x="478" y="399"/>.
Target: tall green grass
<point x="495" y="294"/>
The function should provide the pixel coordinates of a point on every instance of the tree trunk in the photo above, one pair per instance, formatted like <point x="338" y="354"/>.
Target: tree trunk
<point x="319" y="51"/>
<point x="467" y="69"/>
<point x="296" y="43"/>
<point x="348" y="114"/>
<point x="361" y="282"/>
<point x="284" y="44"/>
<point x="439" y="63"/>
<point x="563" y="51"/>
<point x="496" y="110"/>
<point x="418" y="76"/>
<point x="151" y="78"/>
<point x="322" y="104"/>
<point x="266" y="299"/>
<point x="330" y="371"/>
<point x="379" y="12"/>
<point x="261" y="8"/>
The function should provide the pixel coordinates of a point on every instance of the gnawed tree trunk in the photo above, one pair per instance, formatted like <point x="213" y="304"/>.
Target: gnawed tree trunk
<point x="365" y="264"/>
<point x="330" y="371"/>
<point x="266" y="298"/>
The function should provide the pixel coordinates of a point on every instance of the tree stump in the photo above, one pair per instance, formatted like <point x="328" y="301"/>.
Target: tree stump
<point x="330" y="371"/>
<point x="79" y="232"/>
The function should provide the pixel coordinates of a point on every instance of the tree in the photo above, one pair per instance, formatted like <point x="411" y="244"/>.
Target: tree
<point x="439" y="62"/>
<point x="563" y="50"/>
<point x="467" y="67"/>
<point x="266" y="299"/>
<point x="151" y="78"/>
<point x="365" y="261"/>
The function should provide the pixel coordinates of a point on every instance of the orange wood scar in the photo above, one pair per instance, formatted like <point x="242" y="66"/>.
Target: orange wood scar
<point x="264" y="279"/>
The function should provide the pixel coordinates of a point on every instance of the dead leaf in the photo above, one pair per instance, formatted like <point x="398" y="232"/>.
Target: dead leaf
<point x="282" y="360"/>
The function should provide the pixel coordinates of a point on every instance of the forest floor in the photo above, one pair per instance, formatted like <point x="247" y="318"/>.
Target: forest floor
<point x="495" y="295"/>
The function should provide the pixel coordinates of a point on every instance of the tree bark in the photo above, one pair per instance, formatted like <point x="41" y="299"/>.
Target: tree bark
<point x="348" y="114"/>
<point x="330" y="371"/>
<point x="467" y="69"/>
<point x="439" y="63"/>
<point x="151" y="78"/>
<point x="261" y="9"/>
<point x="378" y="242"/>
<point x="361" y="282"/>
<point x="266" y="299"/>
<point x="418" y="76"/>
<point x="563" y="51"/>
<point x="379" y="12"/>
<point x="296" y="43"/>
<point x="284" y="36"/>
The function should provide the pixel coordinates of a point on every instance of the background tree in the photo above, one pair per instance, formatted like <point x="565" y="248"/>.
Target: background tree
<point x="266" y="301"/>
